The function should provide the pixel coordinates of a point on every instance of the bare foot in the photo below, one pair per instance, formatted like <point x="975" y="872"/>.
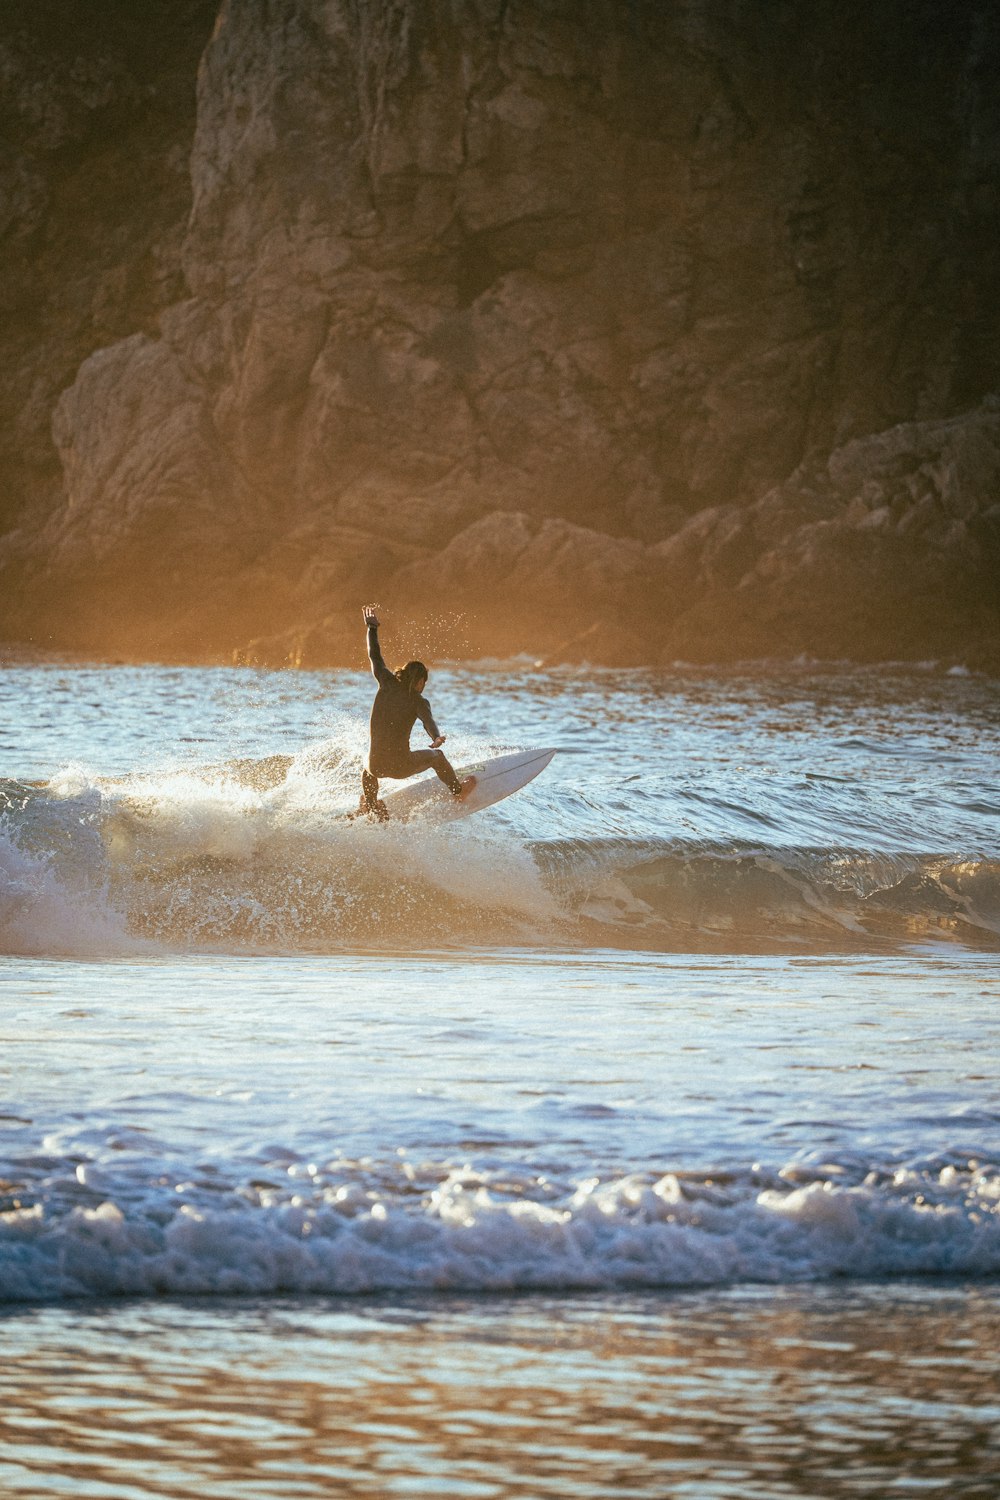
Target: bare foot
<point x="467" y="786"/>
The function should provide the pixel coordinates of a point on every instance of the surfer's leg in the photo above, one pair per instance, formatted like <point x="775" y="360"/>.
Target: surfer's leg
<point x="438" y="762"/>
<point x="446" y="772"/>
<point x="370" y="803"/>
<point x="444" y="769"/>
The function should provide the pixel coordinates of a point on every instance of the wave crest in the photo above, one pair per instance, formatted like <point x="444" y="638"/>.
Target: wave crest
<point x="260" y="855"/>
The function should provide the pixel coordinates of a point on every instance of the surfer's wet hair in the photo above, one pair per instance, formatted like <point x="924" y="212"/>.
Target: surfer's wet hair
<point x="412" y="675"/>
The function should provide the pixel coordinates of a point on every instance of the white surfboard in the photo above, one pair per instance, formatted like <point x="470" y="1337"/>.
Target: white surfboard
<point x="495" y="779"/>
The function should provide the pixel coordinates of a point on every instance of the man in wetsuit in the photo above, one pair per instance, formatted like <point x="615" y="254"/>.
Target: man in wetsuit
<point x="398" y="704"/>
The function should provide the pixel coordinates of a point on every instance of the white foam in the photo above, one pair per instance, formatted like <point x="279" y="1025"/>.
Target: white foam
<point x="216" y="861"/>
<point x="39" y="914"/>
<point x="470" y="1234"/>
<point x="184" y="817"/>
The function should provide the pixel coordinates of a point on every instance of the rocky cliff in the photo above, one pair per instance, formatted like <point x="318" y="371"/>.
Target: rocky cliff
<point x="617" y="329"/>
<point x="97" y="112"/>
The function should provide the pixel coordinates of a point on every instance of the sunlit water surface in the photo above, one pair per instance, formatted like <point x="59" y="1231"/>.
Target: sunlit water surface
<point x="637" y="1135"/>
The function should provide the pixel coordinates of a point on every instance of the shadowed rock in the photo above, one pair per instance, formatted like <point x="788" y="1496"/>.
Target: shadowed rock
<point x="596" y="324"/>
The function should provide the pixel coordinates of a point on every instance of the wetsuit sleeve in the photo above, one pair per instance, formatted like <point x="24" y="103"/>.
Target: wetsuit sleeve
<point x="427" y="719"/>
<point x="380" y="671"/>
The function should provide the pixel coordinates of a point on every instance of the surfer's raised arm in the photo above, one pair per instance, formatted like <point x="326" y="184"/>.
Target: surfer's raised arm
<point x="380" y="671"/>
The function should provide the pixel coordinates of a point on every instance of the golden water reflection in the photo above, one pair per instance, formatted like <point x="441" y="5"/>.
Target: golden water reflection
<point x="817" y="1392"/>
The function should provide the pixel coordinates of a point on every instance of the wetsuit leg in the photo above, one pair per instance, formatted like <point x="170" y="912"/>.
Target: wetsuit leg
<point x="415" y="762"/>
<point x="437" y="761"/>
<point x="370" y="803"/>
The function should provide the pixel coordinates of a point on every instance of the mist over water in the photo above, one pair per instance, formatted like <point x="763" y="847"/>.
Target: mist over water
<point x="710" y="1005"/>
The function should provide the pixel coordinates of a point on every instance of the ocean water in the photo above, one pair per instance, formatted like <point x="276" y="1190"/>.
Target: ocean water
<point x="637" y="1134"/>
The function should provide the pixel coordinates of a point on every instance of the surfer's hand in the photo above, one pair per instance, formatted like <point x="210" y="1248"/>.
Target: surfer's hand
<point x="371" y="618"/>
<point x="436" y="744"/>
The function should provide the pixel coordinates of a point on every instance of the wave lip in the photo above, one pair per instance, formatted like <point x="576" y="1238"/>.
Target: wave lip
<point x="748" y="894"/>
<point x="472" y="1233"/>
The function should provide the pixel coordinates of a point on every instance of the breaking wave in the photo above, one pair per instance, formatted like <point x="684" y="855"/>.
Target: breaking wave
<point x="260" y="856"/>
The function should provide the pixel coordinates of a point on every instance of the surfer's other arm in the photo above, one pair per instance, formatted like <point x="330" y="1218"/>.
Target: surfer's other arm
<point x="427" y="720"/>
<point x="380" y="671"/>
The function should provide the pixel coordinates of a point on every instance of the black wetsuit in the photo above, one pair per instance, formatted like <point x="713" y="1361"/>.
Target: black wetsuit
<point x="394" y="713"/>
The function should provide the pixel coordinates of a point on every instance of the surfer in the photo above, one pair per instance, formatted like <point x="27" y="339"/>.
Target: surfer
<point x="398" y="704"/>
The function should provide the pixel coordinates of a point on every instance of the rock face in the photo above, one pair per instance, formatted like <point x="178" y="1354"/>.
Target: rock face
<point x="628" y="331"/>
<point x="97" y="111"/>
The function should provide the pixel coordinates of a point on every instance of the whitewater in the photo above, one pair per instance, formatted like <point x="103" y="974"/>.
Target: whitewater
<point x="699" y="1030"/>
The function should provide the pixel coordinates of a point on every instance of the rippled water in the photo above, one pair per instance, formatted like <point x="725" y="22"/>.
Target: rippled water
<point x="694" y="1040"/>
<point x="742" y="1395"/>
